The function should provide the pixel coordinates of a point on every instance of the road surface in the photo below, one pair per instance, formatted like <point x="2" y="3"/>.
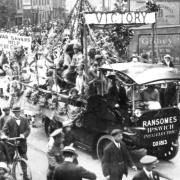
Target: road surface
<point x="37" y="142"/>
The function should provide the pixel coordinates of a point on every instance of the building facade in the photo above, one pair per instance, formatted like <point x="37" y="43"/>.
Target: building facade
<point x="166" y="34"/>
<point x="40" y="11"/>
<point x="59" y="9"/>
<point x="19" y="12"/>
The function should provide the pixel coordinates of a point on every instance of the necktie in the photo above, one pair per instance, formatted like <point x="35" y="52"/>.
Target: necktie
<point x="151" y="175"/>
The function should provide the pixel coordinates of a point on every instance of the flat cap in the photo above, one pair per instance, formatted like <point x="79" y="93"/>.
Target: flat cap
<point x="16" y="109"/>
<point x="56" y="132"/>
<point x="69" y="149"/>
<point x="114" y="132"/>
<point x="148" y="159"/>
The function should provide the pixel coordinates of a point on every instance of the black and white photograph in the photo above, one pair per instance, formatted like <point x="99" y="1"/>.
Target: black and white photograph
<point x="89" y="89"/>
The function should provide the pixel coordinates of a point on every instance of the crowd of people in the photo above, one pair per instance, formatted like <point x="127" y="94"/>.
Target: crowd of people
<point x="67" y="71"/>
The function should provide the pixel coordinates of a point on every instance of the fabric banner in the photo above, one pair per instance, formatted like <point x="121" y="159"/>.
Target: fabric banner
<point x="8" y="41"/>
<point x="136" y="17"/>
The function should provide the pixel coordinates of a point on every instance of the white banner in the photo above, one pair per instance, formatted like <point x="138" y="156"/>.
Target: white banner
<point x="26" y="2"/>
<point x="8" y="41"/>
<point x="137" y="17"/>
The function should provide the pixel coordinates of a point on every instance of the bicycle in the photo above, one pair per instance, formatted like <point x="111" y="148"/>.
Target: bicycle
<point x="18" y="161"/>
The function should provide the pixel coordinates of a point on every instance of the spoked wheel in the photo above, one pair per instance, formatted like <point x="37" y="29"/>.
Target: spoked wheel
<point x="18" y="172"/>
<point x="101" y="144"/>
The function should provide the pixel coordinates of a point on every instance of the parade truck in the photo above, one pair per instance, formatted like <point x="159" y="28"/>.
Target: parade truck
<point x="153" y="129"/>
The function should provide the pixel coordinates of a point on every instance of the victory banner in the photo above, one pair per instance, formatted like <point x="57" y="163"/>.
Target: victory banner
<point x="137" y="17"/>
<point x="8" y="41"/>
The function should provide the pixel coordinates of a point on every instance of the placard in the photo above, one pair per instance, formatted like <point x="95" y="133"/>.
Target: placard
<point x="136" y="17"/>
<point x="8" y="41"/>
<point x="161" y="128"/>
<point x="26" y="2"/>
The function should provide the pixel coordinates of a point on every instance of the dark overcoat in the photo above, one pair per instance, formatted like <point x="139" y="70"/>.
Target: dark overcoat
<point x="115" y="161"/>
<point x="142" y="176"/>
<point x="12" y="129"/>
<point x="71" y="171"/>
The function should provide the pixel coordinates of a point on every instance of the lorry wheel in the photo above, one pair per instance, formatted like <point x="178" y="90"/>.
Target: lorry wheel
<point x="102" y="142"/>
<point x="169" y="152"/>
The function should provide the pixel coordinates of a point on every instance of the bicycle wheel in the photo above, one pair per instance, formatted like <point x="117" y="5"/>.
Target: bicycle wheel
<point x="21" y="170"/>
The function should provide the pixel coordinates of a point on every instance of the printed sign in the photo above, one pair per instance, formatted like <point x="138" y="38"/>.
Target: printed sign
<point x="8" y="41"/>
<point x="26" y="2"/>
<point x="161" y="129"/>
<point x="101" y="18"/>
<point x="164" y="44"/>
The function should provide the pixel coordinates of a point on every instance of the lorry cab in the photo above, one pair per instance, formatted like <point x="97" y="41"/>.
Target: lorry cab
<point x="153" y="106"/>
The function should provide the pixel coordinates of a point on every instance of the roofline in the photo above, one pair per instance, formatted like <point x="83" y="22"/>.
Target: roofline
<point x="149" y="26"/>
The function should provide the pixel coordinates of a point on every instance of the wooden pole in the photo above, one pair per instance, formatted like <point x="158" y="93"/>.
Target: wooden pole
<point x="85" y="45"/>
<point x="153" y="42"/>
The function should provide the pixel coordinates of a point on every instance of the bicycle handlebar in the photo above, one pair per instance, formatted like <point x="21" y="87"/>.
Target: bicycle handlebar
<point x="13" y="139"/>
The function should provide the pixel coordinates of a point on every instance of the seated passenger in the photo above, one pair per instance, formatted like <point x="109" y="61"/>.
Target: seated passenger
<point x="150" y="97"/>
<point x="134" y="96"/>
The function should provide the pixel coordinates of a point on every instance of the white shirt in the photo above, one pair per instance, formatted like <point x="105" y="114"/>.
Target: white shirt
<point x="18" y="121"/>
<point x="118" y="145"/>
<point x="148" y="173"/>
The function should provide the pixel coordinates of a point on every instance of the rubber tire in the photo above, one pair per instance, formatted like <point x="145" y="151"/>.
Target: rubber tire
<point x="14" y="169"/>
<point x="169" y="152"/>
<point x="99" y="150"/>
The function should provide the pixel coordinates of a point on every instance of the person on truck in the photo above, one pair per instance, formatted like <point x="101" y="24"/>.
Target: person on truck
<point x="150" y="97"/>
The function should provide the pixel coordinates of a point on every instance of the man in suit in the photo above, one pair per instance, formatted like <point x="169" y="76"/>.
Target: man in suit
<point x="149" y="163"/>
<point x="116" y="158"/>
<point x="69" y="170"/>
<point x="18" y="126"/>
<point x="54" y="153"/>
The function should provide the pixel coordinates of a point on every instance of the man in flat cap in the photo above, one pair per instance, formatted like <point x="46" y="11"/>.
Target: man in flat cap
<point x="17" y="126"/>
<point x="54" y="153"/>
<point x="149" y="163"/>
<point x="69" y="170"/>
<point x="116" y="158"/>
